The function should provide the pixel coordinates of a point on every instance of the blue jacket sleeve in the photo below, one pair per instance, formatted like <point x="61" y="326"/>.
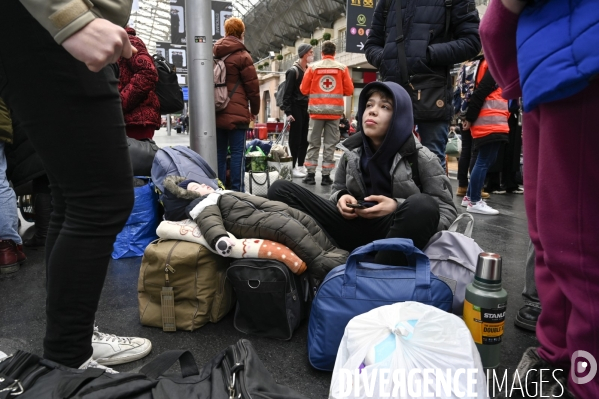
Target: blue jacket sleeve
<point x="465" y="42"/>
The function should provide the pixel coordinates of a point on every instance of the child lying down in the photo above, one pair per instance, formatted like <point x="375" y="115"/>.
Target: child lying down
<point x="217" y="212"/>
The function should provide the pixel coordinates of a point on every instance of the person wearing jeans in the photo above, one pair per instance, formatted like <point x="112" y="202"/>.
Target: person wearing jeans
<point x="70" y="108"/>
<point x="11" y="244"/>
<point x="236" y="140"/>
<point x="487" y="120"/>
<point x="433" y="135"/>
<point x="244" y="93"/>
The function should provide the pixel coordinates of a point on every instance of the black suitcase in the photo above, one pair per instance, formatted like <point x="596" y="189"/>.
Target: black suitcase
<point x="271" y="300"/>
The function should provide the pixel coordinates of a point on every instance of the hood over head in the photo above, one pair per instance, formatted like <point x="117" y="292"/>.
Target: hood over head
<point x="376" y="165"/>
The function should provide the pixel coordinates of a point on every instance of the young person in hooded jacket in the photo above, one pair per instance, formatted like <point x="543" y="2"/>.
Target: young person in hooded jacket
<point x="379" y="166"/>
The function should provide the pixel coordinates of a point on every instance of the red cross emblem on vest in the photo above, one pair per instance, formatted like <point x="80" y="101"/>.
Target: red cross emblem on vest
<point x="327" y="83"/>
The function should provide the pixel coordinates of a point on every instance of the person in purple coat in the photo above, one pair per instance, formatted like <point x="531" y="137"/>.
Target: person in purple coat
<point x="548" y="52"/>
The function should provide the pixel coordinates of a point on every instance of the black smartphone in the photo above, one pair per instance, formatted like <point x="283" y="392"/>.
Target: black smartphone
<point x="362" y="205"/>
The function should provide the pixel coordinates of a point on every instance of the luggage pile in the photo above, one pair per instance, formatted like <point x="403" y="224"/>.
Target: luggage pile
<point x="184" y="283"/>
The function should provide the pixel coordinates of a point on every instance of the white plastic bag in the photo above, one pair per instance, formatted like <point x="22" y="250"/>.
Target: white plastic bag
<point x="411" y="343"/>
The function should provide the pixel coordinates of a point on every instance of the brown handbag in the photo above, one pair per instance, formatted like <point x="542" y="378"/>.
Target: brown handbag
<point x="182" y="286"/>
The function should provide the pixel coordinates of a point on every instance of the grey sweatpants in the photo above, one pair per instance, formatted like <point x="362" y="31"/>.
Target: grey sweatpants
<point x="326" y="130"/>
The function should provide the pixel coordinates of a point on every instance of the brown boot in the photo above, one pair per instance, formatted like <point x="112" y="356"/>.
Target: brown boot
<point x="461" y="191"/>
<point x="484" y="195"/>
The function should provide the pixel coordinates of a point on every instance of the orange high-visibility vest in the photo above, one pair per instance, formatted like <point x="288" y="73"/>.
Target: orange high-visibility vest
<point x="326" y="82"/>
<point x="494" y="114"/>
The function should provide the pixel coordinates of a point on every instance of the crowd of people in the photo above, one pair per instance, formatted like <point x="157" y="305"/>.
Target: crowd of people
<point x="388" y="182"/>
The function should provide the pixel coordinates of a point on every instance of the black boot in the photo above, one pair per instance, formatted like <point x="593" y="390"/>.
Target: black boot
<point x="527" y="317"/>
<point x="326" y="180"/>
<point x="43" y="209"/>
<point x="309" y="179"/>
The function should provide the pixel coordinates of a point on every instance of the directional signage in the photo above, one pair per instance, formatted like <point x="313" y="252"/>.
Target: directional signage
<point x="359" y="19"/>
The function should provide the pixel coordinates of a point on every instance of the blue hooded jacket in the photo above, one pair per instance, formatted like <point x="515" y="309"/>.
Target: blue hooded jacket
<point x="376" y="166"/>
<point x="558" y="49"/>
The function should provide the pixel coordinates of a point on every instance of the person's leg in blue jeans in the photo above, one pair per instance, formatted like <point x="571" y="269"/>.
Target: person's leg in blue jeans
<point x="237" y="143"/>
<point x="487" y="154"/>
<point x="235" y="139"/>
<point x="74" y="120"/>
<point x="222" y="147"/>
<point x="433" y="135"/>
<point x="9" y="219"/>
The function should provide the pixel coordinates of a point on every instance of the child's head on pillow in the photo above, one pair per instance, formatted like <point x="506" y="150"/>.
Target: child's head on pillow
<point x="200" y="188"/>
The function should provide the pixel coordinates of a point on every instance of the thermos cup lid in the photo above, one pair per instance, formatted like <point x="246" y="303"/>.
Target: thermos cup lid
<point x="488" y="267"/>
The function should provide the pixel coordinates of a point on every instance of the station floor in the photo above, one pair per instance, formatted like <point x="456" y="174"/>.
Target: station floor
<point x="22" y="298"/>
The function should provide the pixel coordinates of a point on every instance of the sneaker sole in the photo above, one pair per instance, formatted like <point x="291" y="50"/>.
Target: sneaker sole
<point x="525" y="324"/>
<point x="124" y="359"/>
<point x="481" y="213"/>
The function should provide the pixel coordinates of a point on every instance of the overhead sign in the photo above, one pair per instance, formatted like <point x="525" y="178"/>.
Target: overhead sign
<point x="221" y="11"/>
<point x="359" y="19"/>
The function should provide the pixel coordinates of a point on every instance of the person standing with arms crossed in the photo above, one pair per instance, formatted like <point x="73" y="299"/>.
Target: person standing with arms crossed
<point x="325" y="82"/>
<point x="295" y="105"/>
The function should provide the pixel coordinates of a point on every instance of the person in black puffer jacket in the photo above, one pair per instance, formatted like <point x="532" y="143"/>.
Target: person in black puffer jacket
<point x="427" y="49"/>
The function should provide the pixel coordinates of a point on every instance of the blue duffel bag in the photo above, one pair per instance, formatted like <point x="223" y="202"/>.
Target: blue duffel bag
<point x="359" y="286"/>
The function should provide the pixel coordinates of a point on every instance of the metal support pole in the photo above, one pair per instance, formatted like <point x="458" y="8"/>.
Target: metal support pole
<point x="202" y="116"/>
<point x="168" y="124"/>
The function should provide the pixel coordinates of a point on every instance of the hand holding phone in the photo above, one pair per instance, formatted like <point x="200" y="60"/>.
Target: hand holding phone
<point x="362" y="205"/>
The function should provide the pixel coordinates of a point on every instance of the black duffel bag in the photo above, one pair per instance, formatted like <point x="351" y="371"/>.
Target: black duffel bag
<point x="235" y="372"/>
<point x="142" y="153"/>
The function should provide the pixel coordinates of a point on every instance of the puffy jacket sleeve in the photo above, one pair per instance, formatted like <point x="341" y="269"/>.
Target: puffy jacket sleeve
<point x="144" y="77"/>
<point x="249" y="79"/>
<point x="63" y="18"/>
<point x="290" y="85"/>
<point x="466" y="39"/>
<point x="348" y="84"/>
<point x="435" y="183"/>
<point x="307" y="82"/>
<point x="498" y="33"/>
<point x="376" y="39"/>
<point x="210" y="222"/>
<point x="339" y="185"/>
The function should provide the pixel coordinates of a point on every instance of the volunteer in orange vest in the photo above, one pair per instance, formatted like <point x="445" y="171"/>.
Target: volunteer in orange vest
<point x="487" y="119"/>
<point x="325" y="82"/>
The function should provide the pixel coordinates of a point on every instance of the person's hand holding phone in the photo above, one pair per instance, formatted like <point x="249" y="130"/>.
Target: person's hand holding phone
<point x="346" y="211"/>
<point x="384" y="207"/>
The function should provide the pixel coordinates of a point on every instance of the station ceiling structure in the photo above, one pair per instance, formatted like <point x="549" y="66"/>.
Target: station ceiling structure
<point x="269" y="23"/>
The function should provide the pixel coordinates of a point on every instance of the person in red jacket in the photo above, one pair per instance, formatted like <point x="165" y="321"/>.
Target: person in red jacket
<point x="244" y="90"/>
<point x="137" y="85"/>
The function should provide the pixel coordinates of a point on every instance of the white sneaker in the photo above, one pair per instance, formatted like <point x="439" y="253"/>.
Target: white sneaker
<point x="481" y="207"/>
<point x="465" y="201"/>
<point x="110" y="349"/>
<point x="298" y="172"/>
<point x="304" y="170"/>
<point x="91" y="363"/>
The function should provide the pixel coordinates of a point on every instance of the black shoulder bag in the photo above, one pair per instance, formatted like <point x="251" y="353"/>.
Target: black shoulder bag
<point x="429" y="92"/>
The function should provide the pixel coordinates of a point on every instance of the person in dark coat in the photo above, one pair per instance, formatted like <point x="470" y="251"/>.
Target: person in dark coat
<point x="137" y="85"/>
<point x="427" y="49"/>
<point x="233" y="121"/>
<point x="248" y="216"/>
